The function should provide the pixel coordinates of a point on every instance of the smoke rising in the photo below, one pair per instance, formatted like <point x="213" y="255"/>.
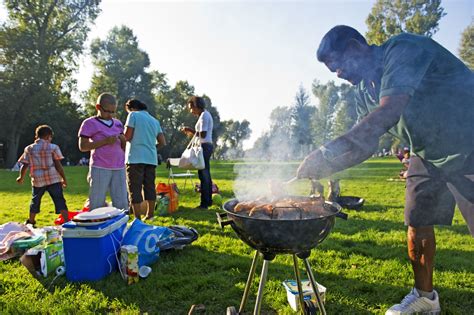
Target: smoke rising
<point x="264" y="174"/>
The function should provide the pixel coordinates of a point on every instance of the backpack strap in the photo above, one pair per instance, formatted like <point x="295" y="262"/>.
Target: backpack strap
<point x="183" y="236"/>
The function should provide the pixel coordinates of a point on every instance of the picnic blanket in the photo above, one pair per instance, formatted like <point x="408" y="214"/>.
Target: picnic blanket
<point x="9" y="233"/>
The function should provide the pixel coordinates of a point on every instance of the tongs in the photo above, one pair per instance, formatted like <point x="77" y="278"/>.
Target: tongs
<point x="294" y="179"/>
<point x="317" y="189"/>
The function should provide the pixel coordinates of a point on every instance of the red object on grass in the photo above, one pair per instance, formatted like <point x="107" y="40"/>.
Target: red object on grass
<point x="71" y="214"/>
<point x="215" y="189"/>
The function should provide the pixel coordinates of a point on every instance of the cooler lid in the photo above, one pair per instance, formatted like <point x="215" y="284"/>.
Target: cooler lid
<point x="73" y="230"/>
<point x="99" y="214"/>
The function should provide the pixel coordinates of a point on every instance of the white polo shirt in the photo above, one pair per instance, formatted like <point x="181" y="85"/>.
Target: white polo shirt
<point x="205" y="123"/>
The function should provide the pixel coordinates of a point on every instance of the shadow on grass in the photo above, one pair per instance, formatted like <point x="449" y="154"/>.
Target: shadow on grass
<point x="396" y="249"/>
<point x="217" y="281"/>
<point x="446" y="259"/>
<point x="356" y="225"/>
<point x="376" y="208"/>
<point x="392" y="250"/>
<point x="354" y="229"/>
<point x="352" y="296"/>
<point x="212" y="279"/>
<point x="216" y="278"/>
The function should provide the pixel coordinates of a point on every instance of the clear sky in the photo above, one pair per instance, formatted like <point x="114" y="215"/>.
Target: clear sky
<point x="248" y="56"/>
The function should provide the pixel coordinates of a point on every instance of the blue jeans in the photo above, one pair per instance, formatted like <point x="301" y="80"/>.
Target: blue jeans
<point x="55" y="191"/>
<point x="205" y="176"/>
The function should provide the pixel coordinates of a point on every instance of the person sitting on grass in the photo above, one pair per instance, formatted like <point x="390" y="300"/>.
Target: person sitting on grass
<point x="43" y="159"/>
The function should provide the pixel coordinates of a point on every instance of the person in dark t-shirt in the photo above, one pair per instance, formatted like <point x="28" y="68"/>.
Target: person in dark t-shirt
<point x="418" y="91"/>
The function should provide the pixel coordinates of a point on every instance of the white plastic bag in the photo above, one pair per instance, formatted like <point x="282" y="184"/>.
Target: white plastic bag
<point x="193" y="157"/>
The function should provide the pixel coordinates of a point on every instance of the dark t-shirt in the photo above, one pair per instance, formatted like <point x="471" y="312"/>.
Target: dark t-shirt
<point x="438" y="121"/>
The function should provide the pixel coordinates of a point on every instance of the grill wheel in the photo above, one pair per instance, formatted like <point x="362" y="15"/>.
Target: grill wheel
<point x="231" y="310"/>
<point x="310" y="307"/>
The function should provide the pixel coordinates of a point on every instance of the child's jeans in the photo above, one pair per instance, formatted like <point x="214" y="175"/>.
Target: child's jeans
<point x="55" y="191"/>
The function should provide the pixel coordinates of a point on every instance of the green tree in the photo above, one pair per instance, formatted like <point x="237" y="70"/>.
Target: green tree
<point x="388" y="18"/>
<point x="261" y="147"/>
<point x="230" y="142"/>
<point x="280" y="120"/>
<point x="336" y="112"/>
<point x="466" y="49"/>
<point x="172" y="112"/>
<point x="345" y="114"/>
<point x="277" y="143"/>
<point x="121" y="69"/>
<point x="301" y="114"/>
<point x="328" y="96"/>
<point x="65" y="121"/>
<point x="39" y="46"/>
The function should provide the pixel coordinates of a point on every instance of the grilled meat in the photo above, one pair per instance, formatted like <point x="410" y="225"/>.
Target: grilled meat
<point x="289" y="208"/>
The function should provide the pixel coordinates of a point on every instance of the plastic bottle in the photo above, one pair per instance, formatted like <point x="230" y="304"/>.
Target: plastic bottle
<point x="163" y="205"/>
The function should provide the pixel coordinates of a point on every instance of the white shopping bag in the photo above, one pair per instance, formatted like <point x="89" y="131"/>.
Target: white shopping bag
<point x="193" y="157"/>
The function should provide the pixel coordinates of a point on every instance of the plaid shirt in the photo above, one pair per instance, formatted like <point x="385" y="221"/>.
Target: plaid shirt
<point x="40" y="157"/>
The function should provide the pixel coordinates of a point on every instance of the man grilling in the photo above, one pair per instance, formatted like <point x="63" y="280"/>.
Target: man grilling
<point x="417" y="90"/>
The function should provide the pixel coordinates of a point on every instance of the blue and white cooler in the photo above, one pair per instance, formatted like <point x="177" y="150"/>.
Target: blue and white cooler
<point x="92" y="243"/>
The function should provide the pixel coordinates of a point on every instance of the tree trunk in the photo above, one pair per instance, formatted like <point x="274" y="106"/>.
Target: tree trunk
<point x="12" y="148"/>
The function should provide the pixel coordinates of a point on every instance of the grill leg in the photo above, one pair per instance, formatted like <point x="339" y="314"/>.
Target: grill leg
<point x="249" y="282"/>
<point x="298" y="283"/>
<point x="315" y="287"/>
<point x="263" y="279"/>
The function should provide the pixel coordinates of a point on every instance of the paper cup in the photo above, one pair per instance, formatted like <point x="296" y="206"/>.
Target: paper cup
<point x="144" y="271"/>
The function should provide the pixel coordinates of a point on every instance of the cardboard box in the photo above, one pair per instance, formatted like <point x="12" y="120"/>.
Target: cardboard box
<point x="43" y="259"/>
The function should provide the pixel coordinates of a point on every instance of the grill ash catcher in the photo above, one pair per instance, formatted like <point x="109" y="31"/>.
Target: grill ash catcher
<point x="270" y="237"/>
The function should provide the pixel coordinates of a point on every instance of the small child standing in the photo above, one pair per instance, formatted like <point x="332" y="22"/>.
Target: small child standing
<point x="43" y="158"/>
<point x="406" y="162"/>
<point x="102" y="135"/>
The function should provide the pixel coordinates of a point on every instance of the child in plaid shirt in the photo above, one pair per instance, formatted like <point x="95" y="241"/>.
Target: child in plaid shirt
<point x="43" y="158"/>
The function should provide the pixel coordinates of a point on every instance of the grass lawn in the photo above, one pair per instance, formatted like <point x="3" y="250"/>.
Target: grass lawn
<point x="363" y="263"/>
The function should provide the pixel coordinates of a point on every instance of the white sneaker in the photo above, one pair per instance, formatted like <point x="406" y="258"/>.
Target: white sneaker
<point x="413" y="303"/>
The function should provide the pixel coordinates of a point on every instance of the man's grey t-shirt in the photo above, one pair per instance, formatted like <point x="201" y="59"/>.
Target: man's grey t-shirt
<point x="438" y="121"/>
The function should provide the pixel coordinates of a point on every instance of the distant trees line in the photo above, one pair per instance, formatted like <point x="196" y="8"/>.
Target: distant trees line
<point x="42" y="41"/>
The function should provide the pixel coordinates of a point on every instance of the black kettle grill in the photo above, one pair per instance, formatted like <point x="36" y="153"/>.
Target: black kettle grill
<point x="272" y="237"/>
